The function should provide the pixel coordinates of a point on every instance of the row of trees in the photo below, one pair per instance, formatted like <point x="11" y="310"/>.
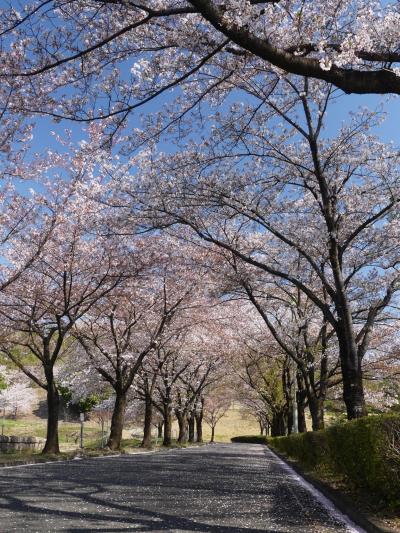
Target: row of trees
<point x="110" y="316"/>
<point x="162" y="317"/>
<point x="305" y="226"/>
<point x="236" y="194"/>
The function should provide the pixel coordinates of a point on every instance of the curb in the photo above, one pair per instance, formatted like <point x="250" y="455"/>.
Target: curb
<point x="339" y="500"/>
<point x="48" y="460"/>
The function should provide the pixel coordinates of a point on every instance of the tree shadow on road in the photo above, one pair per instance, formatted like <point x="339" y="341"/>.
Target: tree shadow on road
<point x="160" y="492"/>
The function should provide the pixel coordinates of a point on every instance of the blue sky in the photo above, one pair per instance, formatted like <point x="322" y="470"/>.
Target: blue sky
<point x="337" y="114"/>
<point x="390" y="129"/>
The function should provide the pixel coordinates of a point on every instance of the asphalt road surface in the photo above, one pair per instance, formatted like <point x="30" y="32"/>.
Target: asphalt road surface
<point x="221" y="488"/>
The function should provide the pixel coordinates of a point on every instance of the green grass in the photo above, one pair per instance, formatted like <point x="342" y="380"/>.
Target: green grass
<point x="232" y="424"/>
<point x="69" y="432"/>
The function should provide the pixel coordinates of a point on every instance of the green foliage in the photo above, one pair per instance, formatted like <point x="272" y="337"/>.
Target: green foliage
<point x="365" y="451"/>
<point x="250" y="439"/>
<point x="84" y="405"/>
<point x="309" y="448"/>
<point x="65" y="393"/>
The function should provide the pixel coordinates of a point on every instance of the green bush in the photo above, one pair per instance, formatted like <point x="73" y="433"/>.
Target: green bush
<point x="250" y="439"/>
<point x="309" y="448"/>
<point x="366" y="451"/>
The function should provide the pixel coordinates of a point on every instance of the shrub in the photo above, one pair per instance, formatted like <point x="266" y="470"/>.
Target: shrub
<point x="366" y="451"/>
<point x="250" y="439"/>
<point x="309" y="448"/>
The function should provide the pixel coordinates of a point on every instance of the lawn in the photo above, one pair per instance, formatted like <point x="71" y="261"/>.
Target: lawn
<point x="233" y="423"/>
<point x="69" y="432"/>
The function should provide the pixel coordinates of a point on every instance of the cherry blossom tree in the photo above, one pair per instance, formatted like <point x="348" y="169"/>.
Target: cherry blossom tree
<point x="188" y="363"/>
<point x="253" y="406"/>
<point x="198" y="412"/>
<point x="299" y="329"/>
<point x="173" y="366"/>
<point x="120" y="332"/>
<point x="196" y="378"/>
<point x="88" y="60"/>
<point x="102" y="413"/>
<point x="217" y="403"/>
<point x="39" y="310"/>
<point x="265" y="373"/>
<point x="28" y="217"/>
<point x="271" y="188"/>
<point x="17" y="397"/>
<point x="146" y="387"/>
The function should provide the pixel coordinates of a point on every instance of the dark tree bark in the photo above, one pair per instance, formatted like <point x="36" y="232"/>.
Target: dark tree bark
<point x="160" y="430"/>
<point x="183" y="427"/>
<point x="117" y="421"/>
<point x="316" y="407"/>
<point x="287" y="389"/>
<point x="301" y="414"/>
<point x="191" y="427"/>
<point x="212" y="434"/>
<point x="376" y="80"/>
<point x="278" y="426"/>
<point x="301" y="397"/>
<point x="353" y="389"/>
<point x="148" y="418"/>
<point x="199" y="426"/>
<point x="53" y="405"/>
<point x="167" y="441"/>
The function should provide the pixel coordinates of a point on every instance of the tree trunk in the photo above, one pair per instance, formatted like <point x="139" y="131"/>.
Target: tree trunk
<point x="353" y="389"/>
<point x="302" y="424"/>
<point x="117" y="422"/>
<point x="159" y="430"/>
<point x="182" y="423"/>
<point x="191" y="427"/>
<point x="199" y="427"/>
<point x="261" y="427"/>
<point x="53" y="404"/>
<point x="212" y="433"/>
<point x="148" y="418"/>
<point x="353" y="393"/>
<point x="316" y="406"/>
<point x="167" y="427"/>
<point x="289" y="418"/>
<point x="301" y="414"/>
<point x="288" y="392"/>
<point x="278" y="426"/>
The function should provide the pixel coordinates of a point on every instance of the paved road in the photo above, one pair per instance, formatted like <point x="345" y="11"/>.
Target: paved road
<point x="221" y="489"/>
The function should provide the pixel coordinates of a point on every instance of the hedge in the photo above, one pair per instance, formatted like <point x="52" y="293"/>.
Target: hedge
<point x="365" y="451"/>
<point x="251" y="439"/>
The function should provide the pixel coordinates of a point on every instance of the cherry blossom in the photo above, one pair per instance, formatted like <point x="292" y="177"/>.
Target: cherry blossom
<point x="39" y="309"/>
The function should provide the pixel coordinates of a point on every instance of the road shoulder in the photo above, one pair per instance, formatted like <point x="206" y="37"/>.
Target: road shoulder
<point x="338" y="499"/>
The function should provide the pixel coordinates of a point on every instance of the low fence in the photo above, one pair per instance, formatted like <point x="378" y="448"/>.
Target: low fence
<point x="9" y="444"/>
